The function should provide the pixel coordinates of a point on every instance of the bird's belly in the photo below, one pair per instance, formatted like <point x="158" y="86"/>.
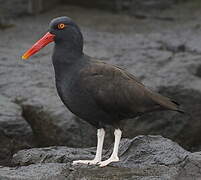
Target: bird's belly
<point x="79" y="102"/>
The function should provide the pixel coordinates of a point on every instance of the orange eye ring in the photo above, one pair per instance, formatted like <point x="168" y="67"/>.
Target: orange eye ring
<point x="61" y="26"/>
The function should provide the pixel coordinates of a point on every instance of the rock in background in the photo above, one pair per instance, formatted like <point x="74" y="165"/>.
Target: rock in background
<point x="16" y="8"/>
<point x="15" y="133"/>
<point x="129" y="6"/>
<point x="165" y="55"/>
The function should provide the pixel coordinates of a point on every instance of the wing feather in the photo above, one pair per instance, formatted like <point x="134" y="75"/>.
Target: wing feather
<point x="117" y="91"/>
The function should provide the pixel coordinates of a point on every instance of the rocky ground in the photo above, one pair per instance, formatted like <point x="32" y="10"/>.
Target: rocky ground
<point x="163" y="49"/>
<point x="144" y="158"/>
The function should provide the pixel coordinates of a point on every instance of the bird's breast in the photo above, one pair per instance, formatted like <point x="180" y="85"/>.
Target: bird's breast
<point x="74" y="95"/>
<point x="79" y="101"/>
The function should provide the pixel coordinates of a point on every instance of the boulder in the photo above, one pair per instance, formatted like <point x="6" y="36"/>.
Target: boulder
<point x="15" y="133"/>
<point x="57" y="126"/>
<point x="144" y="157"/>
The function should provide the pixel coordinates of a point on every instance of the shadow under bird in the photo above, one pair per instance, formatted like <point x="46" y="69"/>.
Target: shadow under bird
<point x="97" y="92"/>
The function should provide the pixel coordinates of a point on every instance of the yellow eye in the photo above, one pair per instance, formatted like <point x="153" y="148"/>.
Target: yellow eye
<point x="61" y="26"/>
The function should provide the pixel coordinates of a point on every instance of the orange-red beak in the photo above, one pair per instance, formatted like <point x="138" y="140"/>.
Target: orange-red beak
<point x="46" y="39"/>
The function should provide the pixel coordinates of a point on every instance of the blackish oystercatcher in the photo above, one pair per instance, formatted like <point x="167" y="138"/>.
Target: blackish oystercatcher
<point x="99" y="93"/>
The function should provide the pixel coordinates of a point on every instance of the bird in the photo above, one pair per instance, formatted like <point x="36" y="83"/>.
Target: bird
<point x="97" y="92"/>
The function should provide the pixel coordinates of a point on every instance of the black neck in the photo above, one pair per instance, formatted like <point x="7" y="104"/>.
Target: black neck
<point x="65" y="58"/>
<point x="66" y="53"/>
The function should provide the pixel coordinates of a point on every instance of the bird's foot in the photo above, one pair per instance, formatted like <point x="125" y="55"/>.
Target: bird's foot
<point x="89" y="162"/>
<point x="108" y="161"/>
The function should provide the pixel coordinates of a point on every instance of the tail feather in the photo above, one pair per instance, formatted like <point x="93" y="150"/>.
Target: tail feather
<point x="166" y="102"/>
<point x="178" y="108"/>
<point x="181" y="111"/>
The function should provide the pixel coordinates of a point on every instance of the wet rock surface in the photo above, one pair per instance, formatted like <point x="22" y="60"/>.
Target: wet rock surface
<point x="144" y="157"/>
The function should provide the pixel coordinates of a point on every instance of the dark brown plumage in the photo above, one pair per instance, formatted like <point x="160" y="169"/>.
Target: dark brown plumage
<point x="119" y="93"/>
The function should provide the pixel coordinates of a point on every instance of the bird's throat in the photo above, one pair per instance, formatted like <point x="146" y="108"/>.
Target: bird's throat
<point x="66" y="54"/>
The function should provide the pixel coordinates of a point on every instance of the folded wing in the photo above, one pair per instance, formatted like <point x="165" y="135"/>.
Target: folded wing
<point x="119" y="92"/>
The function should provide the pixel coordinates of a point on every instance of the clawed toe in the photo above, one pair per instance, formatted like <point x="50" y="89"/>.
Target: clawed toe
<point x="108" y="161"/>
<point x="89" y="162"/>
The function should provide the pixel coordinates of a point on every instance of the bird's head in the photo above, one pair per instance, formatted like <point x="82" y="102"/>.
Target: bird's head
<point x="63" y="31"/>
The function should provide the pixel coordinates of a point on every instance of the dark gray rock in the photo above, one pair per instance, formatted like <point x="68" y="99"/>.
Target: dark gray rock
<point x="122" y="5"/>
<point x="191" y="169"/>
<point x="11" y="118"/>
<point x="56" y="127"/>
<point x="162" y="54"/>
<point x="58" y="154"/>
<point x="144" y="157"/>
<point x="13" y="8"/>
<point x="50" y="171"/>
<point x="142" y="7"/>
<point x="15" y="133"/>
<point x="19" y="8"/>
<point x="140" y="151"/>
<point x="198" y="71"/>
